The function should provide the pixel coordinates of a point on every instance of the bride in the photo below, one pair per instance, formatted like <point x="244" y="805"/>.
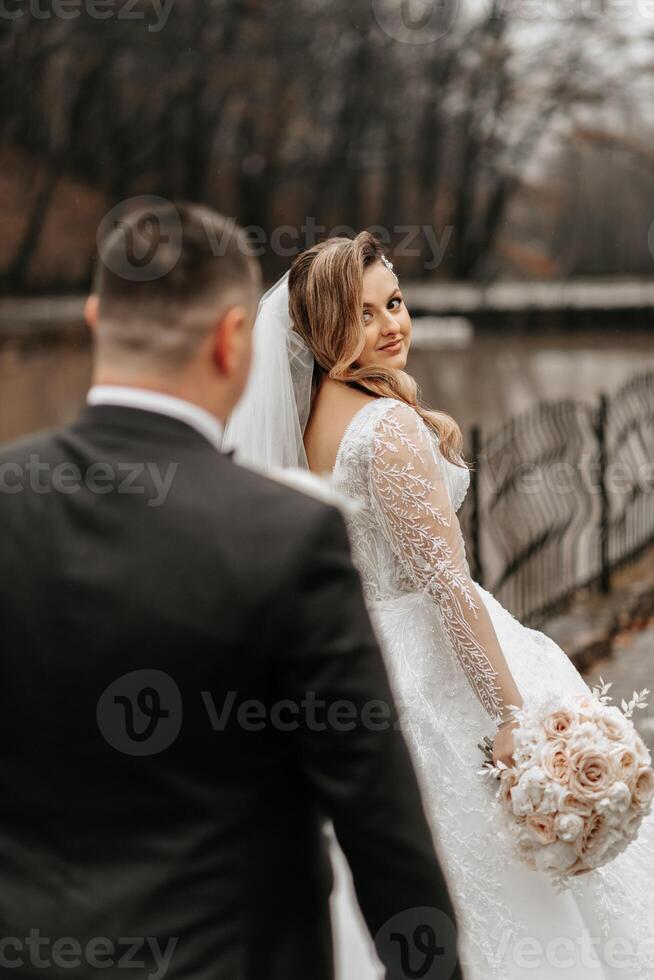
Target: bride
<point x="329" y="393"/>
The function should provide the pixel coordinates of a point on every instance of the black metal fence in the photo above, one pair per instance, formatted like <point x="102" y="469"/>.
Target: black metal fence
<point x="561" y="496"/>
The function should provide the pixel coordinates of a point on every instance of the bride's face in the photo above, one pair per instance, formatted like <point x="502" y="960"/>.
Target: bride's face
<point x="386" y="320"/>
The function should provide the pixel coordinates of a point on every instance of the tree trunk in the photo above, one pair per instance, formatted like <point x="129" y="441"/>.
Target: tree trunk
<point x="16" y="275"/>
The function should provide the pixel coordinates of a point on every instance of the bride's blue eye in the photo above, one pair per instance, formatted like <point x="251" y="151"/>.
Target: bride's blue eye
<point x="396" y="299"/>
<point x="367" y="315"/>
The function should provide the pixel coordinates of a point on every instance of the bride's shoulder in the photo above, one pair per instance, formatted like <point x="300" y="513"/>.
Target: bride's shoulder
<point x="373" y="418"/>
<point x="335" y="406"/>
<point x="338" y="394"/>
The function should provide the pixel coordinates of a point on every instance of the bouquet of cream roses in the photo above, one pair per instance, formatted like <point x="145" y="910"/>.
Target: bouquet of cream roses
<point x="581" y="785"/>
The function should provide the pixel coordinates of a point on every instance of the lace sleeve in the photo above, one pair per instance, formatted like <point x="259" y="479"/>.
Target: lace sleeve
<point x="409" y="493"/>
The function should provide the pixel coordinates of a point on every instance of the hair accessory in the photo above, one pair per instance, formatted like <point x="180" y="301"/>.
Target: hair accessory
<point x="389" y="266"/>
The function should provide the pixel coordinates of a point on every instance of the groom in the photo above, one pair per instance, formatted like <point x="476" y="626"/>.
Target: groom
<point x="190" y="682"/>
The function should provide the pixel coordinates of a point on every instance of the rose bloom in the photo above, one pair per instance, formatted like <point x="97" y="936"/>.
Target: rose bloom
<point x="528" y="792"/>
<point x="541" y="828"/>
<point x="508" y="780"/>
<point x="592" y="774"/>
<point x="556" y="762"/>
<point x="592" y="838"/>
<point x="644" y="788"/>
<point x="520" y="801"/>
<point x="625" y="764"/>
<point x="568" y="826"/>
<point x="585" y="735"/>
<point x="571" y="802"/>
<point x="560" y="723"/>
<point x="551" y="801"/>
<point x="616" y="802"/>
<point x="614" y="724"/>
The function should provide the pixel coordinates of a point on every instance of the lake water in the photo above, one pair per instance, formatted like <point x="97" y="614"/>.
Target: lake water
<point x="482" y="379"/>
<point x="496" y="376"/>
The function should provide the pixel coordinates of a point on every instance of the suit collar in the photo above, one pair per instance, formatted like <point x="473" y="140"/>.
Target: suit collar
<point x="160" y="403"/>
<point x="141" y="424"/>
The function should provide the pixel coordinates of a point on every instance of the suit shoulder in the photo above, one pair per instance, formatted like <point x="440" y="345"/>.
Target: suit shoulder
<point x="283" y="492"/>
<point x="296" y="512"/>
<point x="42" y="443"/>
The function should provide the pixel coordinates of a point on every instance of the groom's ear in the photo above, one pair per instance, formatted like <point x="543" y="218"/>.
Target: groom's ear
<point x="91" y="311"/>
<point x="231" y="340"/>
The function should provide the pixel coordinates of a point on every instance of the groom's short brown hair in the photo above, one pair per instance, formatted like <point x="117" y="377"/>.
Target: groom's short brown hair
<point x="166" y="271"/>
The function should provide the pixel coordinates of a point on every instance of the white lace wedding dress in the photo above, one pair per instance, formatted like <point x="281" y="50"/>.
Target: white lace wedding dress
<point x="440" y="631"/>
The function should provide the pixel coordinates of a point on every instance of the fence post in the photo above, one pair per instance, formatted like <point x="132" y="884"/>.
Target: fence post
<point x="477" y="570"/>
<point x="605" y="570"/>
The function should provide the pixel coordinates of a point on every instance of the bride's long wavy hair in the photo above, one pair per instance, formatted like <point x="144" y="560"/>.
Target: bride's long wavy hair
<point x="325" y="288"/>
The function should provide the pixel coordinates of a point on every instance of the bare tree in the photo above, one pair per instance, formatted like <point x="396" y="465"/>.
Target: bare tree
<point x="310" y="108"/>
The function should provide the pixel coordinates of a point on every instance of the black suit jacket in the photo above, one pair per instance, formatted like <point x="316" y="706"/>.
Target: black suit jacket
<point x="174" y="630"/>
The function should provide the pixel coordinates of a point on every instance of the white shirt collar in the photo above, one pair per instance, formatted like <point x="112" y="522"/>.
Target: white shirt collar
<point x="156" y="401"/>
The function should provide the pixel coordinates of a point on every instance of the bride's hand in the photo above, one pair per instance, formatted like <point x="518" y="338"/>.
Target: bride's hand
<point x="503" y="744"/>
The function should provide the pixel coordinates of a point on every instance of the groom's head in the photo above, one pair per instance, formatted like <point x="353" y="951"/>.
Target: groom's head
<point x="173" y="304"/>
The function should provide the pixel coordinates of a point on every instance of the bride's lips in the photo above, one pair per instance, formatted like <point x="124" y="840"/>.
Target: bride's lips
<point x="393" y="347"/>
